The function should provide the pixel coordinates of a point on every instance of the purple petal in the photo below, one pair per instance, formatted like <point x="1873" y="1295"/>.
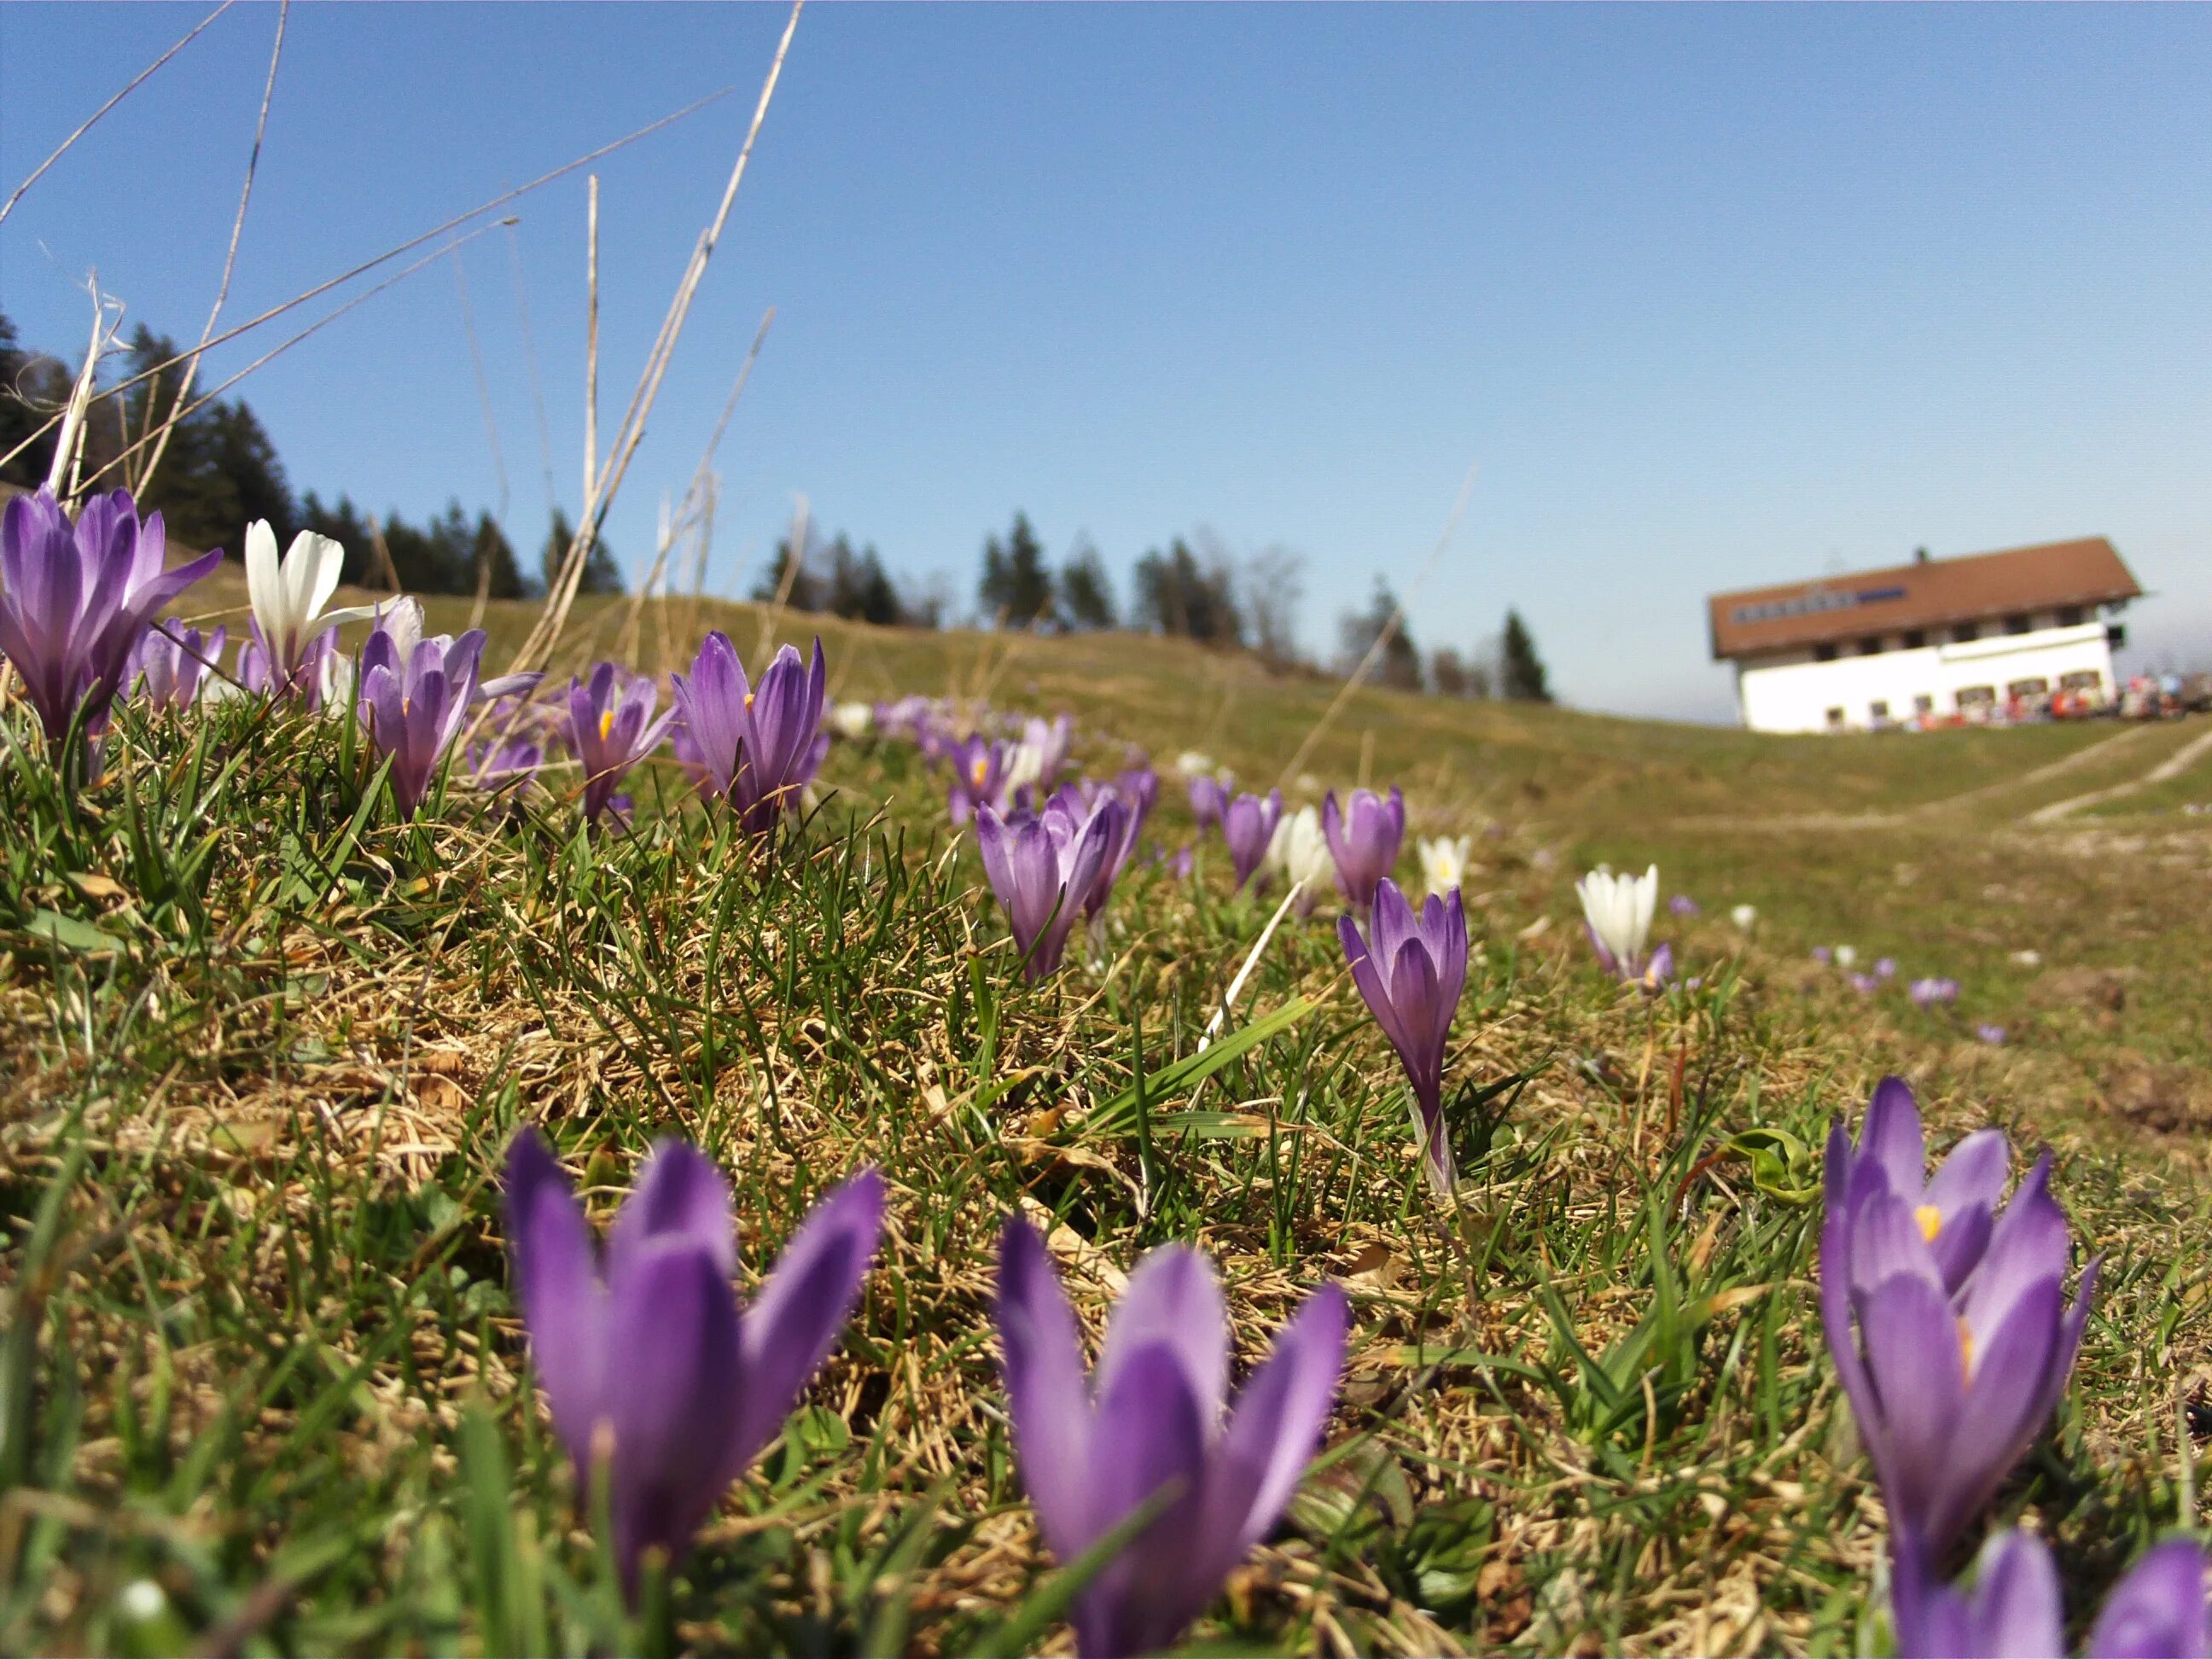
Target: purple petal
<point x="1891" y="1139"/>
<point x="1148" y="1440"/>
<point x="680" y="1195"/>
<point x="2158" y="1611"/>
<point x="673" y="1332"/>
<point x="564" y="1308"/>
<point x="794" y="1320"/>
<point x="1046" y="1397"/>
<point x="1277" y="1424"/>
<point x="1173" y="1300"/>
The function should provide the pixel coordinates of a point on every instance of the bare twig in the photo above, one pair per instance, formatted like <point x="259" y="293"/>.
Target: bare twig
<point x="631" y="431"/>
<point x="1390" y="631"/>
<point x="385" y="258"/>
<point x="38" y="172"/>
<point x="591" y="338"/>
<point x="70" y="447"/>
<point x="687" y="513"/>
<point x="530" y="356"/>
<point x="205" y="399"/>
<point x="229" y="259"/>
<point x="491" y="430"/>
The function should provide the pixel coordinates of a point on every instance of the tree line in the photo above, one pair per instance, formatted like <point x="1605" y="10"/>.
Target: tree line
<point x="222" y="471"/>
<point x="1207" y="594"/>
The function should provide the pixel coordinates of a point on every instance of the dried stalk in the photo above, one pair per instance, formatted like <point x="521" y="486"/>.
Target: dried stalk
<point x="69" y="448"/>
<point x="38" y="172"/>
<point x="229" y="259"/>
<point x="591" y="337"/>
<point x="1390" y="631"/>
<point x="631" y="431"/>
<point x="412" y="243"/>
<point x="320" y="322"/>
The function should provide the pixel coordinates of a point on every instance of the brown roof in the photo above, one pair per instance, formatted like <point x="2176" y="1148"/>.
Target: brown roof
<point x="1934" y="594"/>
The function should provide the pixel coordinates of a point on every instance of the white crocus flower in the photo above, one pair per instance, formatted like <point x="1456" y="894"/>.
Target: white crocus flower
<point x="288" y="598"/>
<point x="1024" y="764"/>
<point x="400" y="617"/>
<point x="1743" y="915"/>
<point x="852" y="720"/>
<point x="1619" y="909"/>
<point x="1191" y="763"/>
<point x="1299" y="849"/>
<point x="1443" y="862"/>
<point x="1846" y="956"/>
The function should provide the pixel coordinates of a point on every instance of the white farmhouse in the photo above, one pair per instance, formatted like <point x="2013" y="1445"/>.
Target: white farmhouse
<point x="1927" y="642"/>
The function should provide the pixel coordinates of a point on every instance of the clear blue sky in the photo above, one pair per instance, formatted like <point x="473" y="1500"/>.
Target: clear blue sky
<point x="1712" y="297"/>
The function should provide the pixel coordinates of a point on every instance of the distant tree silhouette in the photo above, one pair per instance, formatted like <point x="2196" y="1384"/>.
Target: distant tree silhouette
<point x="1015" y="589"/>
<point x="1521" y="676"/>
<point x="1398" y="662"/>
<point x="1086" y="592"/>
<point x="601" y="574"/>
<point x="1176" y="595"/>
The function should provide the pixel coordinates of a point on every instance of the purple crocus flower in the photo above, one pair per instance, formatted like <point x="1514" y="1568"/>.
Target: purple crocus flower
<point x="1154" y="1423"/>
<point x="169" y="666"/>
<point x="1683" y="906"/>
<point x="414" y="706"/>
<point x="1994" y="1036"/>
<point x="1133" y="791"/>
<point x="1947" y="1315"/>
<point x="1411" y="970"/>
<point x="1933" y="993"/>
<point x="1364" y="837"/>
<point x="74" y="599"/>
<point x="1865" y="984"/>
<point x="1043" y="867"/>
<point x="645" y="1357"/>
<point x="612" y="728"/>
<point x="1884" y="967"/>
<point x="1247" y="825"/>
<point x="1183" y="862"/>
<point x="2156" y="1612"/>
<point x="759" y="744"/>
<point x="508" y="762"/>
<point x="979" y="777"/>
<point x="1823" y="955"/>
<point x="1209" y="798"/>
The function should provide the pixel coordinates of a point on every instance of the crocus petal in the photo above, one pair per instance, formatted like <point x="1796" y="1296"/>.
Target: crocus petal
<point x="563" y="1306"/>
<point x="1277" y="1423"/>
<point x="1046" y="1400"/>
<point x="680" y="1195"/>
<point x="1148" y="1441"/>
<point x="2158" y="1611"/>
<point x="1174" y="1300"/>
<point x="794" y="1322"/>
<point x="1891" y="1137"/>
<point x="1913" y="1359"/>
<point x="673" y="1331"/>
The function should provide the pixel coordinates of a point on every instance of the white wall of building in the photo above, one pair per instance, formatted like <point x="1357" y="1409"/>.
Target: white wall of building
<point x="1794" y="692"/>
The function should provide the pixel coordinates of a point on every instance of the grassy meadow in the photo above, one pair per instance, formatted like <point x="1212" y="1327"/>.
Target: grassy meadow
<point x="262" y="1384"/>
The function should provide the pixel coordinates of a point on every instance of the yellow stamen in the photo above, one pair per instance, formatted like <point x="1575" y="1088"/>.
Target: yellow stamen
<point x="749" y="700"/>
<point x="1966" y="1350"/>
<point x="1931" y="1221"/>
<point x="606" y="724"/>
<point x="978" y="769"/>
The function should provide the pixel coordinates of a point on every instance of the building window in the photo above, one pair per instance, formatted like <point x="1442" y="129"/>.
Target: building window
<point x="1965" y="633"/>
<point x="1977" y="696"/>
<point x="1914" y="639"/>
<point x="2017" y="624"/>
<point x="1878" y="710"/>
<point x="2036" y="687"/>
<point x="1836" y="717"/>
<point x="2082" y="679"/>
<point x="1870" y="645"/>
<point x="2116" y="636"/>
<point x="1923" y="704"/>
<point x="1824" y="654"/>
<point x="2070" y="616"/>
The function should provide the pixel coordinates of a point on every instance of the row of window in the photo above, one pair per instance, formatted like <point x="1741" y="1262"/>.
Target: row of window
<point x="2087" y="681"/>
<point x="1964" y="633"/>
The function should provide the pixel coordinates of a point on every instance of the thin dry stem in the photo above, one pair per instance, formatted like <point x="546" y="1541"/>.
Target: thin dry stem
<point x="385" y="258"/>
<point x="229" y="259"/>
<point x="1390" y="631"/>
<point x="38" y="172"/>
<point x="631" y="431"/>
